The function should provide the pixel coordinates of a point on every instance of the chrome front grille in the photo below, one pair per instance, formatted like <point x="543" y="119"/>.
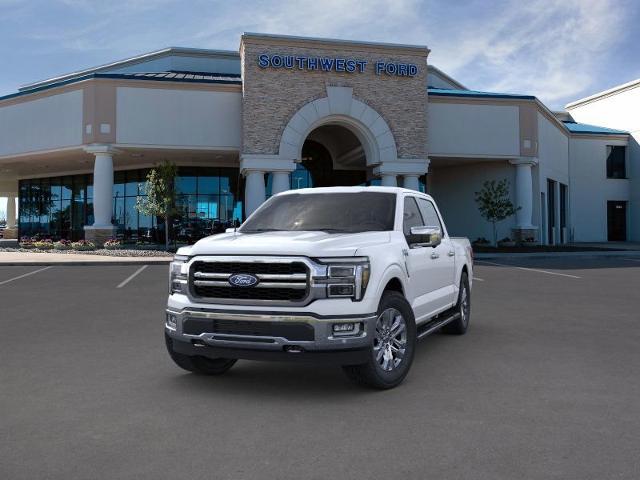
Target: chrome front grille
<point x="281" y="280"/>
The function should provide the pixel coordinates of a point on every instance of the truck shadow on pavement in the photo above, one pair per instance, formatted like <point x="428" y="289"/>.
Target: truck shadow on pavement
<point x="304" y="381"/>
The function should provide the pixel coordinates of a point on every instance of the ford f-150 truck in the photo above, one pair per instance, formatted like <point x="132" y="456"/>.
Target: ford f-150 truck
<point x="348" y="275"/>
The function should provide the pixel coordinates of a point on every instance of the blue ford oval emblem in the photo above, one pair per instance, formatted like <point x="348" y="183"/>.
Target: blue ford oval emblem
<point x="243" y="280"/>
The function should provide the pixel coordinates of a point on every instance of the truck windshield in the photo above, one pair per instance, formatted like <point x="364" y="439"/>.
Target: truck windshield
<point x="329" y="212"/>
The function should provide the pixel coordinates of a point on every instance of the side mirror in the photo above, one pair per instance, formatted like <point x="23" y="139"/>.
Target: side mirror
<point x="425" y="237"/>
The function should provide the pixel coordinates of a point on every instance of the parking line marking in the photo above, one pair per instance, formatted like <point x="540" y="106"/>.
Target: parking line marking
<point x="529" y="269"/>
<point x="25" y="275"/>
<point x="478" y="279"/>
<point x="132" y="276"/>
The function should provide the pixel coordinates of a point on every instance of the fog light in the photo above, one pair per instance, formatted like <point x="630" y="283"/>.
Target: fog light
<point x="344" y="327"/>
<point x="172" y="321"/>
<point x="341" y="290"/>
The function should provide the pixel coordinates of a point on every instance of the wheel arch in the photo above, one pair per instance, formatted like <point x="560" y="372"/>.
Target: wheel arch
<point x="394" y="279"/>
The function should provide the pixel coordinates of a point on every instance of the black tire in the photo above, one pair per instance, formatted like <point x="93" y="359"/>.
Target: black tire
<point x="372" y="373"/>
<point x="459" y="325"/>
<point x="199" y="365"/>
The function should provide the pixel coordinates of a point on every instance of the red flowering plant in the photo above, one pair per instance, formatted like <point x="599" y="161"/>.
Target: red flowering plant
<point x="112" y="244"/>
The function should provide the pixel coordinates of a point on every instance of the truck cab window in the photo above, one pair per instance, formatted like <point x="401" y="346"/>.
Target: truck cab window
<point x="411" y="216"/>
<point x="429" y="213"/>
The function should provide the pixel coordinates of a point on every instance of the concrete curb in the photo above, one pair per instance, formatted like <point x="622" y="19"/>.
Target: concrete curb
<point x="37" y="263"/>
<point x="605" y="254"/>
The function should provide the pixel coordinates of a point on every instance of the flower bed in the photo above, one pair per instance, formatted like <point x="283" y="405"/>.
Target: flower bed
<point x="43" y="244"/>
<point x="62" y="245"/>
<point x="113" y="244"/>
<point x="83" y="245"/>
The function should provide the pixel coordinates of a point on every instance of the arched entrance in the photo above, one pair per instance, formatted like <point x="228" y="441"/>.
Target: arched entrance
<point x="334" y="156"/>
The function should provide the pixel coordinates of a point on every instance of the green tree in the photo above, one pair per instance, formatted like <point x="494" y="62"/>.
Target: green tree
<point x="160" y="199"/>
<point x="494" y="203"/>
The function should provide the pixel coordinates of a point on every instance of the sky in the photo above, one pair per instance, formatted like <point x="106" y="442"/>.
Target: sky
<point x="558" y="50"/>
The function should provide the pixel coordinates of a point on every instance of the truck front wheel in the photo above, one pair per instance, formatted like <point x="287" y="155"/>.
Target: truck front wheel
<point x="394" y="341"/>
<point x="199" y="365"/>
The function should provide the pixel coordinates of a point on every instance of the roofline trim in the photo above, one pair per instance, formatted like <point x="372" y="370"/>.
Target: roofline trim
<point x="471" y="93"/>
<point x="132" y="61"/>
<point x="603" y="94"/>
<point x="117" y="76"/>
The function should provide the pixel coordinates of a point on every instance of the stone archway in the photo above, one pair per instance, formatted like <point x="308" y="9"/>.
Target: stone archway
<point x="340" y="108"/>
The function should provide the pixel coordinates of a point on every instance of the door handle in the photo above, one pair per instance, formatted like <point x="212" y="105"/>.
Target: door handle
<point x="434" y="255"/>
<point x="452" y="253"/>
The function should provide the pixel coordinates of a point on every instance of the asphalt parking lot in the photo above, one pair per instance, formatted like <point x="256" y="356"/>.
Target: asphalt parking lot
<point x="543" y="386"/>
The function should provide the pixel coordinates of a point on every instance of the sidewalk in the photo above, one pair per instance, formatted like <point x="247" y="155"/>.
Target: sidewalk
<point x="592" y="253"/>
<point x="32" y="258"/>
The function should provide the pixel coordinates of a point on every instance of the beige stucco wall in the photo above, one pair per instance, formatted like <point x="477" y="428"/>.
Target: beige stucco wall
<point x="50" y="122"/>
<point x="272" y="96"/>
<point x="178" y="117"/>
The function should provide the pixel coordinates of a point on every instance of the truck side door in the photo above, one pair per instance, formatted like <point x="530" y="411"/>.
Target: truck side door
<point x="442" y="257"/>
<point x="422" y="270"/>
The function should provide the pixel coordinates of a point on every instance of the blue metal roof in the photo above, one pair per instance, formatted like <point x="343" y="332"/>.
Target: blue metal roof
<point x="173" y="76"/>
<point x="444" y="92"/>
<point x="575" y="127"/>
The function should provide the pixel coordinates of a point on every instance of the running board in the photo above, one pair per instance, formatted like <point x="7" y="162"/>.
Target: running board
<point x="435" y="324"/>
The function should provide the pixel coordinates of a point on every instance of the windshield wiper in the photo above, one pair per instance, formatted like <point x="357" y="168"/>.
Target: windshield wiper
<point x="261" y="230"/>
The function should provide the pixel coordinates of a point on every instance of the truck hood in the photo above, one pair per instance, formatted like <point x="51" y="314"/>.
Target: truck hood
<point x="310" y="244"/>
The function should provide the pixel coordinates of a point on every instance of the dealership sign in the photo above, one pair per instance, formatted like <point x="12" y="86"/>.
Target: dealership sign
<point x="334" y="64"/>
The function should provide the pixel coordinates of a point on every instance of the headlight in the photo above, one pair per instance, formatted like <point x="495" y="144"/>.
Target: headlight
<point x="178" y="274"/>
<point x="347" y="277"/>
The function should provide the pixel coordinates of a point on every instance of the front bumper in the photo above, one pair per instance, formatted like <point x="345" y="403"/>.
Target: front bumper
<point x="269" y="335"/>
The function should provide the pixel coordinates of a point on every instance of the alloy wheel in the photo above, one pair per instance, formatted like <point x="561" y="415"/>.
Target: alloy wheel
<point x="464" y="306"/>
<point x="390" y="342"/>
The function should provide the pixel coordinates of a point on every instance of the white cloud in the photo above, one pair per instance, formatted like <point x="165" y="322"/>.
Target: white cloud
<point x="554" y="49"/>
<point x="547" y="48"/>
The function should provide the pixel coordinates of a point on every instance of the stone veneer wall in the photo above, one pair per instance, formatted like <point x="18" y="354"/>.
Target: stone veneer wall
<point x="271" y="96"/>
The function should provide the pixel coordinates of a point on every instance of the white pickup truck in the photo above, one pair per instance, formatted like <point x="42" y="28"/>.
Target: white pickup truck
<point x="353" y="276"/>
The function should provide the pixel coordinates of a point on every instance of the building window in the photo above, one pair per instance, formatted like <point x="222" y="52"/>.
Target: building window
<point x="54" y="207"/>
<point x="616" y="161"/>
<point x="208" y="201"/>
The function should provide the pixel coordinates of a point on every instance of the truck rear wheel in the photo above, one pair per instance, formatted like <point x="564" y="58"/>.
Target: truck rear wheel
<point x="463" y="308"/>
<point x="199" y="365"/>
<point x="393" y="345"/>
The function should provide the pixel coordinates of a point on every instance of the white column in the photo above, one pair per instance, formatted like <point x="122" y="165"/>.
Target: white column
<point x="103" y="190"/>
<point x="411" y="182"/>
<point x="254" y="194"/>
<point x="524" y="192"/>
<point x="389" y="180"/>
<point x="11" y="211"/>
<point x="280" y="182"/>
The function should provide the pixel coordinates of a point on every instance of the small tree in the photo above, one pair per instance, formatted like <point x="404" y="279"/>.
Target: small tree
<point x="160" y="200"/>
<point x="494" y="203"/>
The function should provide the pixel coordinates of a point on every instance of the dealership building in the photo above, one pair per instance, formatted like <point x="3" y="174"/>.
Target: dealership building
<point x="289" y="112"/>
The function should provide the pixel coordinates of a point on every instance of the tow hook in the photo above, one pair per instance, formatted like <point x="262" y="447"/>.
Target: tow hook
<point x="293" y="349"/>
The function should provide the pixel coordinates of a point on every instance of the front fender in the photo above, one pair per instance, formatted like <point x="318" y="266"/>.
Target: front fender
<point x="392" y="271"/>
